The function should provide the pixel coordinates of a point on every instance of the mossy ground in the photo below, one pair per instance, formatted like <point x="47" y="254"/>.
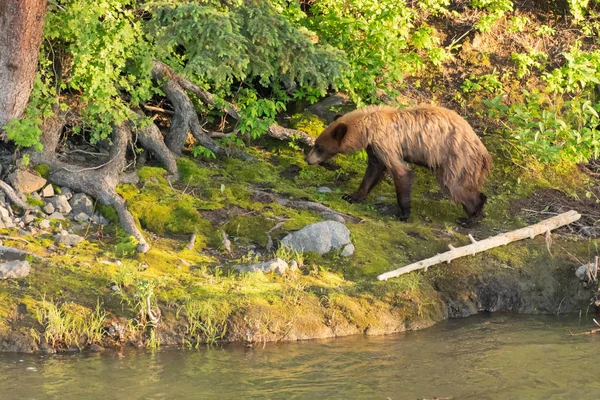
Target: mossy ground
<point x="203" y="300"/>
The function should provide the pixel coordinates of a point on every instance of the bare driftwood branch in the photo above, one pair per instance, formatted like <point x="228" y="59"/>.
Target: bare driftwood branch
<point x="13" y="197"/>
<point x="483" y="245"/>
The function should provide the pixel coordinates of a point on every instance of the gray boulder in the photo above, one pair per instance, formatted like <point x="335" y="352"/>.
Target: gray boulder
<point x="61" y="204"/>
<point x="81" y="203"/>
<point x="321" y="237"/>
<point x="14" y="269"/>
<point x="26" y="182"/>
<point x="68" y="239"/>
<point x="278" y="265"/>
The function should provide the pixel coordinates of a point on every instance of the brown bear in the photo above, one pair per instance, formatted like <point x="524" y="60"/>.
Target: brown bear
<point x="429" y="136"/>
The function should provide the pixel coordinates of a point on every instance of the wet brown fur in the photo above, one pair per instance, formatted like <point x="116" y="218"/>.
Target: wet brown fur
<point x="430" y="136"/>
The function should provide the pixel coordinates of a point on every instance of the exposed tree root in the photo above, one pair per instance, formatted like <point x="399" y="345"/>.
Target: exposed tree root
<point x="163" y="71"/>
<point x="306" y="205"/>
<point x="151" y="139"/>
<point x="186" y="119"/>
<point x="281" y="133"/>
<point x="13" y="197"/>
<point x="99" y="182"/>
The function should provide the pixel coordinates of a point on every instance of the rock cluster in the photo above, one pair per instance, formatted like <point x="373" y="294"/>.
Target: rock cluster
<point x="52" y="205"/>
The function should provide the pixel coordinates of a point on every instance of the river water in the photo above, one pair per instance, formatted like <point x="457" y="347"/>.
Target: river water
<point x="499" y="356"/>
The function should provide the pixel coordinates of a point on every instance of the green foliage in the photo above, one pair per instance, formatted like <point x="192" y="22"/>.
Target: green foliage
<point x="109" y="59"/>
<point x="495" y="11"/>
<point x="518" y="24"/>
<point x="70" y="323"/>
<point x="383" y="40"/>
<point x="218" y="44"/>
<point x="552" y="134"/>
<point x="526" y="61"/>
<point x="206" y="321"/>
<point x="487" y="82"/>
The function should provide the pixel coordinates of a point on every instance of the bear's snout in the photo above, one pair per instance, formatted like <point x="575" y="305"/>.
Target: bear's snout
<point x="311" y="158"/>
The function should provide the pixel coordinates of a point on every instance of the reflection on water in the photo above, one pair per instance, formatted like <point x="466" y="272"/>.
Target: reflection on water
<point x="484" y="357"/>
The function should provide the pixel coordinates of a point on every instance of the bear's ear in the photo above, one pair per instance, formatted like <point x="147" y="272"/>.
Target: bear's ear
<point x="339" y="132"/>
<point x="337" y="116"/>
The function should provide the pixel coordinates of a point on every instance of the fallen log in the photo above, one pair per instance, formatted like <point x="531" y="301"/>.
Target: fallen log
<point x="475" y="247"/>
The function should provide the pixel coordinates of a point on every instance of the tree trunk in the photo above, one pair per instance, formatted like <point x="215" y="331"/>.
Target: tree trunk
<point x="21" y="28"/>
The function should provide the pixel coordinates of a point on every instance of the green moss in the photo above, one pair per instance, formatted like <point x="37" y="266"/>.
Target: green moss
<point x="152" y="174"/>
<point x="192" y="175"/>
<point x="162" y="210"/>
<point x="35" y="202"/>
<point x="43" y="170"/>
<point x="126" y="246"/>
<point x="108" y="212"/>
<point x="308" y="123"/>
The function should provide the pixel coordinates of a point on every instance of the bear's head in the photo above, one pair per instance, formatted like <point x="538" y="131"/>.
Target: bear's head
<point x="329" y="143"/>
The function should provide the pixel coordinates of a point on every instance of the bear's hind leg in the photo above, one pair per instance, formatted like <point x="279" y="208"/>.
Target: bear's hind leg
<point x="403" y="180"/>
<point x="373" y="175"/>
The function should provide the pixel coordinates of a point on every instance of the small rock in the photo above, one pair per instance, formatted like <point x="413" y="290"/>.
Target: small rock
<point x="381" y="199"/>
<point x="4" y="214"/>
<point x="324" y="189"/>
<point x="61" y="204"/>
<point x="8" y="223"/>
<point x="278" y="265"/>
<point x="48" y="191"/>
<point x="69" y="239"/>
<point x="44" y="224"/>
<point x="581" y="272"/>
<point x="294" y="265"/>
<point x="65" y="191"/>
<point x="98" y="219"/>
<point x="81" y="217"/>
<point x="57" y="216"/>
<point x="28" y="219"/>
<point x="26" y="182"/>
<point x="348" y="250"/>
<point x="321" y="237"/>
<point x="14" y="269"/>
<point x="115" y="288"/>
<point x="96" y="348"/>
<point x="49" y="208"/>
<point x="81" y="203"/>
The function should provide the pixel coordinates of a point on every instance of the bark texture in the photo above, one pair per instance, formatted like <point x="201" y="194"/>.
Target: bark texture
<point x="21" y="28"/>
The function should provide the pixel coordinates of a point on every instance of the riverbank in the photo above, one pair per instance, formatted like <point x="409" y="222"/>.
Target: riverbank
<point x="100" y="293"/>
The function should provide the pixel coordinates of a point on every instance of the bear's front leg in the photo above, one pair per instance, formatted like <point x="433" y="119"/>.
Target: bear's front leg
<point x="403" y="180"/>
<point x="373" y="175"/>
